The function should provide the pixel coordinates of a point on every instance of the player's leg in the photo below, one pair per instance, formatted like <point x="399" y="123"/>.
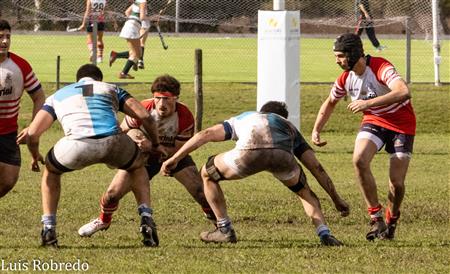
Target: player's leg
<point x="50" y="192"/>
<point x="89" y="41"/>
<point x="100" y="43"/>
<point x="134" y="53"/>
<point x="190" y="178"/>
<point x="368" y="142"/>
<point x="143" y="34"/>
<point x="10" y="161"/>
<point x="400" y="156"/>
<point x="188" y="175"/>
<point x="100" y="47"/>
<point x="9" y="175"/>
<point x="293" y="177"/>
<point x="370" y="30"/>
<point x="215" y="170"/>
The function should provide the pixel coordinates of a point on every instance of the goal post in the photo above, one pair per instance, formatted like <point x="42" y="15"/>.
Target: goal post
<point x="278" y="73"/>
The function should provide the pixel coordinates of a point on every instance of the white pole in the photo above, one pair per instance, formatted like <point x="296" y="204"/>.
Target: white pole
<point x="177" y="15"/>
<point x="278" y="4"/>
<point x="436" y="45"/>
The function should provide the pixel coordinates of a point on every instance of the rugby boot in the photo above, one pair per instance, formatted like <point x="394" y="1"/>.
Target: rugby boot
<point x="219" y="235"/>
<point x="92" y="227"/>
<point x="112" y="57"/>
<point x="391" y="223"/>
<point x="330" y="240"/>
<point x="48" y="237"/>
<point x="125" y="76"/>
<point x="141" y="64"/>
<point x="148" y="231"/>
<point x="377" y="226"/>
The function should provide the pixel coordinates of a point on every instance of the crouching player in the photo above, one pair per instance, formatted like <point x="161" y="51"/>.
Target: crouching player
<point x="266" y="141"/>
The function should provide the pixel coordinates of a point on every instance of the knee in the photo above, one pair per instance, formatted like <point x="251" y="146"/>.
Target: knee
<point x="7" y="184"/>
<point x="111" y="197"/>
<point x="360" y="163"/>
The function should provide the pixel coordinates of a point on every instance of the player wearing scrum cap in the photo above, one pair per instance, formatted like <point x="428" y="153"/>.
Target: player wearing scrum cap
<point x="379" y="92"/>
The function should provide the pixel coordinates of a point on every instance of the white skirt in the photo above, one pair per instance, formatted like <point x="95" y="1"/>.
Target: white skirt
<point x="130" y="30"/>
<point x="146" y="24"/>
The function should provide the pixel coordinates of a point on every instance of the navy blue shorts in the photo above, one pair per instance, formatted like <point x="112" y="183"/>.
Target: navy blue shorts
<point x="100" y="26"/>
<point x="394" y="142"/>
<point x="153" y="167"/>
<point x="9" y="150"/>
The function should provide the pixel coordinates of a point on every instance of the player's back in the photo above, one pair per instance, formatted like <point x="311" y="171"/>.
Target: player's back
<point x="254" y="130"/>
<point x="88" y="108"/>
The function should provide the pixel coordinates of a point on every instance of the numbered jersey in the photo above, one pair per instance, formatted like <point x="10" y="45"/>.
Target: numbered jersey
<point x="98" y="10"/>
<point x="87" y="109"/>
<point x="16" y="75"/>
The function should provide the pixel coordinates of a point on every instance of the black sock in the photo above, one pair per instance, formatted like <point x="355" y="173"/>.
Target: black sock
<point x="142" y="54"/>
<point x="123" y="55"/>
<point x="127" y="66"/>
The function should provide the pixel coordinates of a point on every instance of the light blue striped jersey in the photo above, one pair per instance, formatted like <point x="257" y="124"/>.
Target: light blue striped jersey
<point x="254" y="130"/>
<point x="87" y="108"/>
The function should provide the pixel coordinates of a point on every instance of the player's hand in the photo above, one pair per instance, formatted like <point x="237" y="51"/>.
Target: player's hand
<point x="358" y="105"/>
<point x="168" y="166"/>
<point x="342" y="207"/>
<point x="35" y="163"/>
<point x="315" y="138"/>
<point x="22" y="137"/>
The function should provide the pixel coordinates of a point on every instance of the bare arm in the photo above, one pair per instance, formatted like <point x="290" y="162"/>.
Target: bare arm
<point x="399" y="93"/>
<point x="133" y="108"/>
<point x="38" y="99"/>
<point x="40" y="124"/>
<point x="213" y="134"/>
<point x="322" y="117"/>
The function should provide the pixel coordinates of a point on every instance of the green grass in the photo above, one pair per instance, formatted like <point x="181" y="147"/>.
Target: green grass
<point x="274" y="234"/>
<point x="224" y="59"/>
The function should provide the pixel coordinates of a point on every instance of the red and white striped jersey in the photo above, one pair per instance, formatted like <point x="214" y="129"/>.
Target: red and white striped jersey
<point x="376" y="80"/>
<point x="16" y="75"/>
<point x="178" y="126"/>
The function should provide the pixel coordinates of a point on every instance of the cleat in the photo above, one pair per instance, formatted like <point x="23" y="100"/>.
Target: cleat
<point x="380" y="48"/>
<point x="112" y="57"/>
<point x="377" y="226"/>
<point x="330" y="240"/>
<point x="99" y="60"/>
<point x="148" y="231"/>
<point x="389" y="233"/>
<point x="125" y="76"/>
<point x="48" y="237"/>
<point x="93" y="227"/>
<point x="140" y="64"/>
<point x="217" y="236"/>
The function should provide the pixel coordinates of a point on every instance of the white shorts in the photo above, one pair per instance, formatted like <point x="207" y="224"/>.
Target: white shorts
<point x="244" y="163"/>
<point x="117" y="151"/>
<point x="130" y="30"/>
<point x="146" y="24"/>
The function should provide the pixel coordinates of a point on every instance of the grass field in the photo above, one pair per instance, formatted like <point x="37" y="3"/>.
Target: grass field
<point x="224" y="59"/>
<point x="274" y="236"/>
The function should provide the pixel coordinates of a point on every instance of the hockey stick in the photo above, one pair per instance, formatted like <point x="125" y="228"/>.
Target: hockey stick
<point x="161" y="38"/>
<point x="158" y="29"/>
<point x="69" y="29"/>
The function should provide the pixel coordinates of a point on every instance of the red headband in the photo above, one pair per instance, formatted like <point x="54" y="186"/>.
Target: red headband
<point x="163" y="94"/>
